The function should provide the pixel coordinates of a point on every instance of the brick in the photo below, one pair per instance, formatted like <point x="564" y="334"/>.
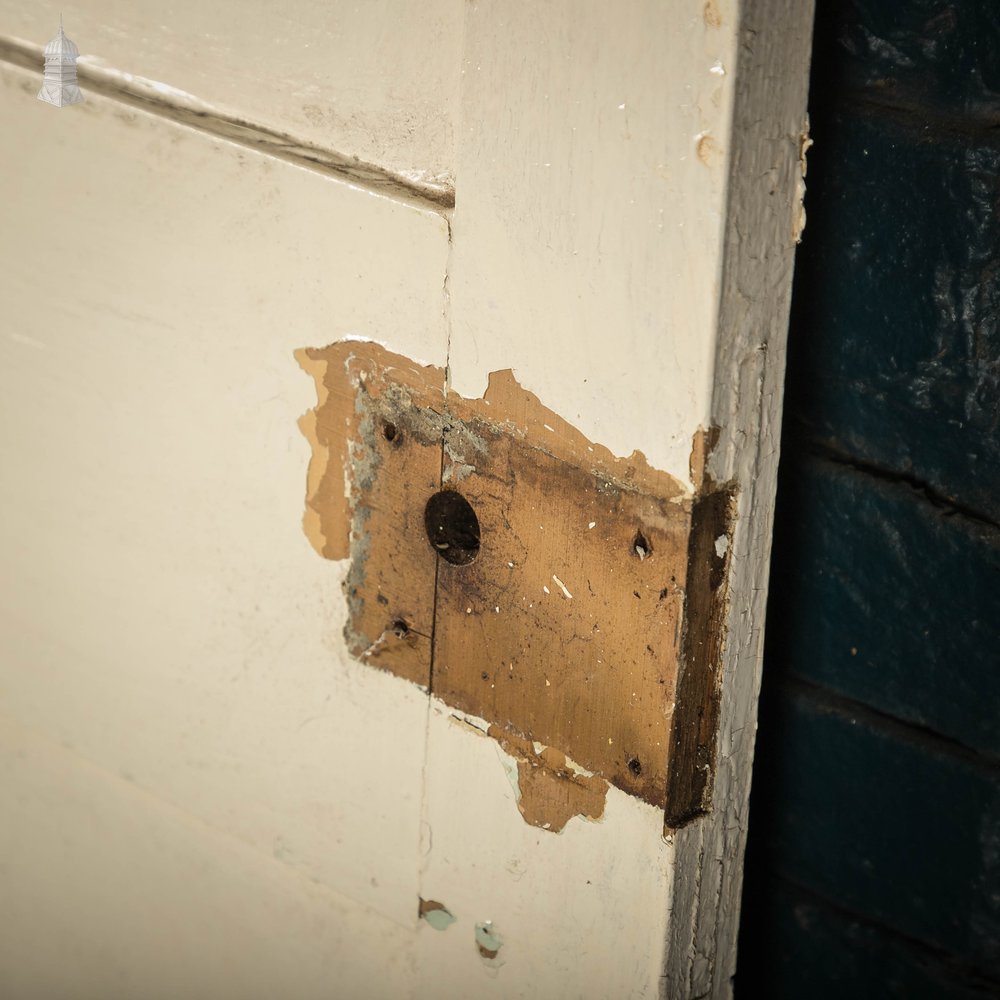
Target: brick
<point x="894" y="352"/>
<point x="800" y="946"/>
<point x="900" y="829"/>
<point x="884" y="597"/>
<point x="924" y="53"/>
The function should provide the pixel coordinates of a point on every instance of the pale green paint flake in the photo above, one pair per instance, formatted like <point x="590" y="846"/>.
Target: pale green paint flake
<point x="487" y="939"/>
<point x="439" y="918"/>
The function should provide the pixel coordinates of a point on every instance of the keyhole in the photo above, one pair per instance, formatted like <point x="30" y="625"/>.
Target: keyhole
<point x="452" y="527"/>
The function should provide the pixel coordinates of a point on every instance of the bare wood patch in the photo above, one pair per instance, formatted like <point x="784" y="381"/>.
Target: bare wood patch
<point x="556" y="608"/>
<point x="566" y="628"/>
<point x="551" y="789"/>
<point x="376" y="440"/>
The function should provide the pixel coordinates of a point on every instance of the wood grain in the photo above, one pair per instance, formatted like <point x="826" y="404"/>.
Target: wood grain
<point x="565" y="628"/>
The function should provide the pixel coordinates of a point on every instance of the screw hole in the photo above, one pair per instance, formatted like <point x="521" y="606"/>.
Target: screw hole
<point x="389" y="431"/>
<point x="452" y="527"/>
<point x="399" y="629"/>
<point x="641" y="546"/>
<point x="635" y="766"/>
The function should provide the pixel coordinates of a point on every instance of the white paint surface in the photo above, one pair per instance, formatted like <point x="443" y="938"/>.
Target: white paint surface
<point x="163" y="612"/>
<point x="109" y="891"/>
<point x="588" y="230"/>
<point x="201" y="793"/>
<point x="567" y="905"/>
<point x="374" y="79"/>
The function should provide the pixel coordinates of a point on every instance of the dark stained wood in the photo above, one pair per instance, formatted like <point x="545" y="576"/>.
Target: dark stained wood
<point x="694" y="730"/>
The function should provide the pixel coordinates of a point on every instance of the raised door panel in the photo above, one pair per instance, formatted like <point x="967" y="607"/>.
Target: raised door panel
<point x="163" y="612"/>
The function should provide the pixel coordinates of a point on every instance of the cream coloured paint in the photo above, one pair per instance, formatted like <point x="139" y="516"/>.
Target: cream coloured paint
<point x="178" y="694"/>
<point x="167" y="616"/>
<point x="374" y="80"/>
<point x="109" y="891"/>
<point x="593" y="157"/>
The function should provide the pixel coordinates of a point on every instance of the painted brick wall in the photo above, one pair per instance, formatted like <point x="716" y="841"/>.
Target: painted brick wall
<point x="873" y="865"/>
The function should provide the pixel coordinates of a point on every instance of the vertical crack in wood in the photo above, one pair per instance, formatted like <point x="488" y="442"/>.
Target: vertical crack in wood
<point x="437" y="562"/>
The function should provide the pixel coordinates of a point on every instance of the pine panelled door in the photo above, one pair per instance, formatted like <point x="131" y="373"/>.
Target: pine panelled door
<point x="390" y="398"/>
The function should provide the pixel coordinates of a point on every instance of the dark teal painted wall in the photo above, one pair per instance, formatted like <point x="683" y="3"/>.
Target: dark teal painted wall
<point x="873" y="864"/>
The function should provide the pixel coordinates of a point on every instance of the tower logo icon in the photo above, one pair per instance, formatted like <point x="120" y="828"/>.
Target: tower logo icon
<point x="59" y="86"/>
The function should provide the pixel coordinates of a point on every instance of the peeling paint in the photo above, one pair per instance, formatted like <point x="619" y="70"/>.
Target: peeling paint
<point x="456" y="472"/>
<point x="488" y="941"/>
<point x="472" y="722"/>
<point x="702" y="445"/>
<point x="799" y="225"/>
<point x="707" y="148"/>
<point x="594" y="674"/>
<point x="436" y="914"/>
<point x="549" y="788"/>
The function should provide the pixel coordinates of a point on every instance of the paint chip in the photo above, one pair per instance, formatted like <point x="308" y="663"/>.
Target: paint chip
<point x="436" y="914"/>
<point x="488" y="941"/>
<point x="549" y="788"/>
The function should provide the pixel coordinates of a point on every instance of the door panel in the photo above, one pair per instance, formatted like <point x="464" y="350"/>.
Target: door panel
<point x="374" y="81"/>
<point x="622" y="237"/>
<point x="168" y="618"/>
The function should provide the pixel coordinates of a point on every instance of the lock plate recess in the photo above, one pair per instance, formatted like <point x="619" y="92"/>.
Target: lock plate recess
<point x="589" y="620"/>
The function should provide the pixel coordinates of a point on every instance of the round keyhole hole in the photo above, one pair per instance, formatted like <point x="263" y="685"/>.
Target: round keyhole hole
<point x="640" y="546"/>
<point x="452" y="527"/>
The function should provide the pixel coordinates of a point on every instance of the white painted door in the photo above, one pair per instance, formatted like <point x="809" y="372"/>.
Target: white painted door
<point x="201" y="791"/>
